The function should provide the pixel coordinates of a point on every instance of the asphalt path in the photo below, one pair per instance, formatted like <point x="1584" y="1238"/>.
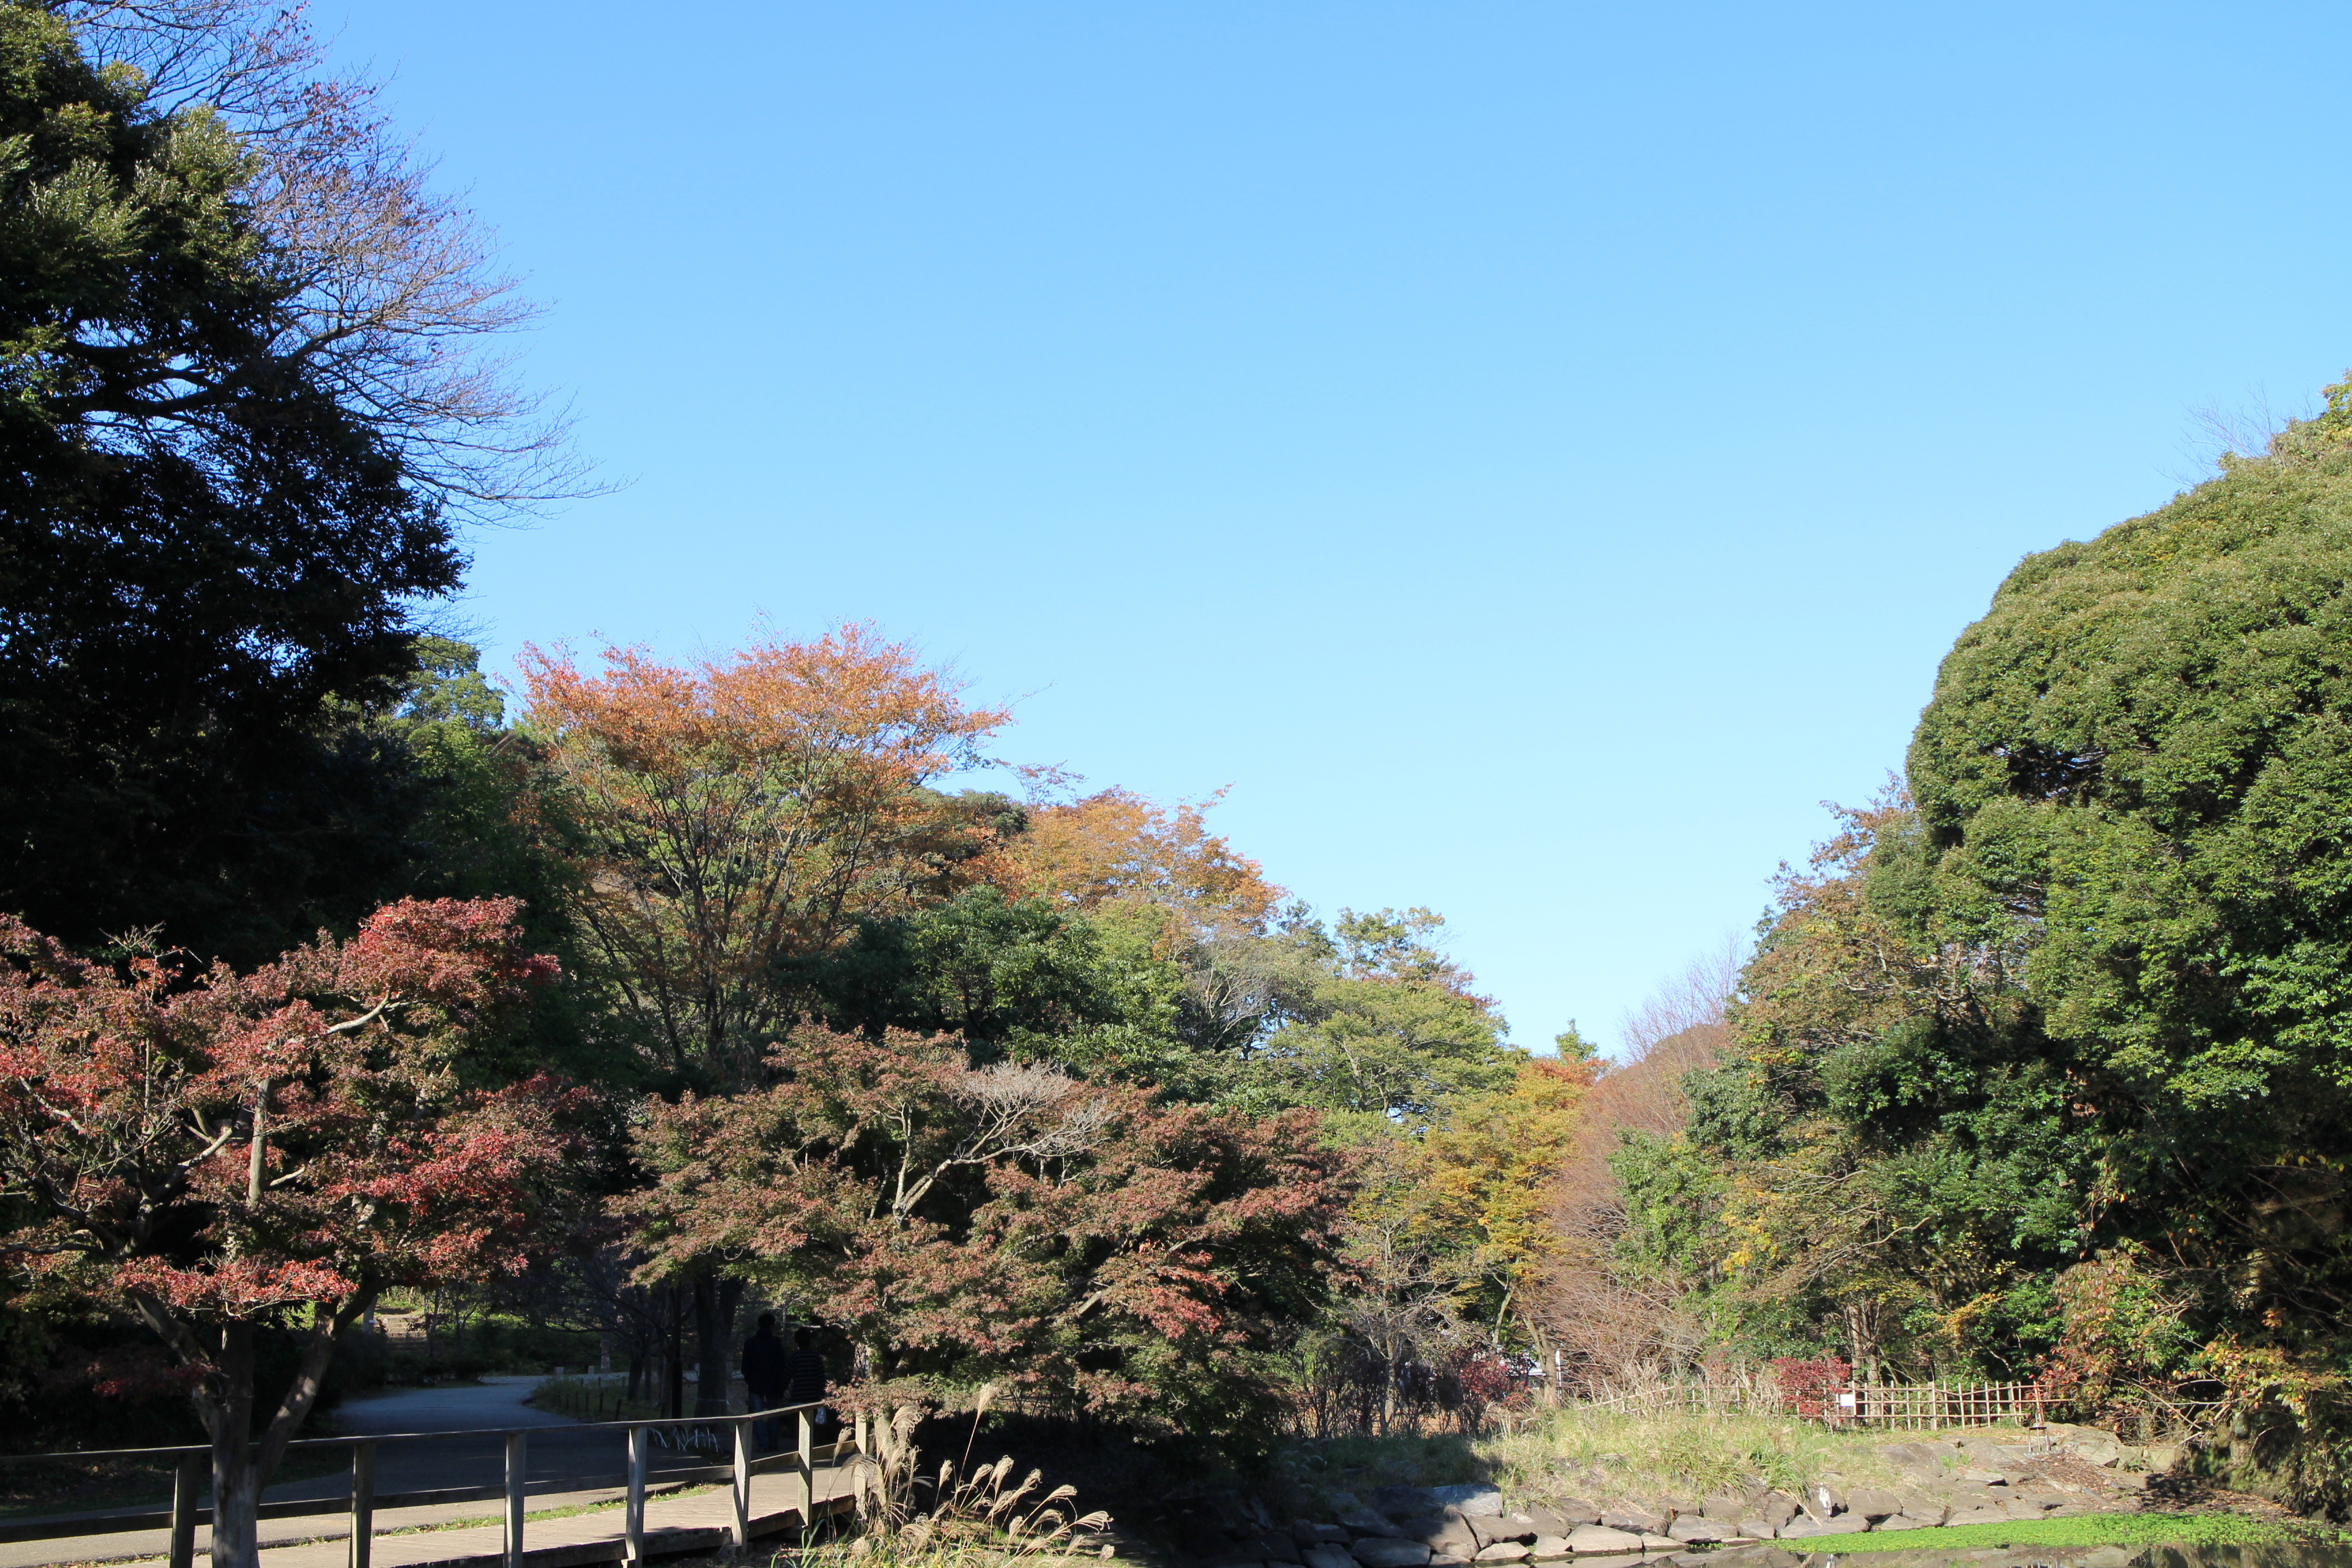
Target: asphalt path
<point x="558" y="1449"/>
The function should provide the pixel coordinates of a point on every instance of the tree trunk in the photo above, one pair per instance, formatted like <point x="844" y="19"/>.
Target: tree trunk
<point x="674" y="1353"/>
<point x="1544" y="1359"/>
<point x="236" y="1488"/>
<point x="715" y="1302"/>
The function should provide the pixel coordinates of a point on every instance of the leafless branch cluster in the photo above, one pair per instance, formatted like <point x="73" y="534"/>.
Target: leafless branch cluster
<point x="389" y="294"/>
<point x="1604" y="1319"/>
<point x="1031" y="1111"/>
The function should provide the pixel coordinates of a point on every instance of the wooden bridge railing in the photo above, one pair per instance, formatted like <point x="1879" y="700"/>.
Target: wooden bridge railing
<point x="190" y="1463"/>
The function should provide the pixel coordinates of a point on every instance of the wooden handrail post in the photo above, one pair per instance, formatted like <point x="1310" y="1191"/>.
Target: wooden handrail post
<point x="632" y="1526"/>
<point x="187" y="1481"/>
<point x="518" y="1457"/>
<point x="362" y="1502"/>
<point x="743" y="1482"/>
<point x="807" y="1467"/>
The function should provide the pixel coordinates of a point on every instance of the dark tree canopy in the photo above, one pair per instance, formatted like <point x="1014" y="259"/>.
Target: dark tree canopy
<point x="200" y="544"/>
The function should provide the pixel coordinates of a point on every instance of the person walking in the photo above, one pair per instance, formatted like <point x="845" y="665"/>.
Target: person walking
<point x="804" y="1375"/>
<point x="764" y="1377"/>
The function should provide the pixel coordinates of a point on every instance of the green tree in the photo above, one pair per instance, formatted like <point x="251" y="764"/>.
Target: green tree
<point x="2083" y="1011"/>
<point x="1388" y="1034"/>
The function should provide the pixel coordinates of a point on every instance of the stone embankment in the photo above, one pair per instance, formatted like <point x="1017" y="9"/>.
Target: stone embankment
<point x="1927" y="1481"/>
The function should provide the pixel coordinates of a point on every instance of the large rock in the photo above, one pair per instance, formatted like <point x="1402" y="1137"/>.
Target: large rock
<point x="1900" y="1521"/>
<point x="1470" y="1501"/>
<point x="1807" y="1528"/>
<point x="1778" y="1507"/>
<point x="1871" y="1503"/>
<point x="1503" y="1552"/>
<point x="1306" y="1532"/>
<point x="1548" y="1548"/>
<point x="1925" y="1508"/>
<point x="1756" y="1529"/>
<point x="1824" y="1501"/>
<point x="1447" y="1536"/>
<point x="1362" y="1521"/>
<point x="1696" y="1530"/>
<point x="2090" y="1444"/>
<point x="1960" y="1516"/>
<point x="1378" y="1552"/>
<point x="1725" y="1507"/>
<point x="1566" y="1514"/>
<point x="1598" y="1540"/>
<point x="1324" y="1555"/>
<point x="1654" y="1542"/>
<point x="1490" y="1529"/>
<point x="1626" y="1516"/>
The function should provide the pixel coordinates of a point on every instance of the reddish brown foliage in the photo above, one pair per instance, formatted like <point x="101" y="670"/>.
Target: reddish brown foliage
<point x="1605" y="1318"/>
<point x="246" y="1148"/>
<point x="1007" y="1221"/>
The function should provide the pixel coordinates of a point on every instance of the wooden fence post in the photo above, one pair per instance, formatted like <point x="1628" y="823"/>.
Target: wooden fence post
<point x="187" y="1481"/>
<point x="633" y="1523"/>
<point x="518" y="1456"/>
<point x="363" y="1503"/>
<point x="808" y="1474"/>
<point x="743" y="1482"/>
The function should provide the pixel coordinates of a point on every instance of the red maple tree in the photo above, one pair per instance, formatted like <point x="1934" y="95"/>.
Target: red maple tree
<point x="1006" y="1222"/>
<point x="216" y="1152"/>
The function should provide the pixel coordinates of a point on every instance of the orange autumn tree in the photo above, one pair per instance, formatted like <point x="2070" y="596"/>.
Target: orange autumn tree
<point x="1116" y="848"/>
<point x="734" y="811"/>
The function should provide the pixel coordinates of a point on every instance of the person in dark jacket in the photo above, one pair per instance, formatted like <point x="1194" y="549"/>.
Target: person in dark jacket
<point x="764" y="1377"/>
<point x="804" y="1375"/>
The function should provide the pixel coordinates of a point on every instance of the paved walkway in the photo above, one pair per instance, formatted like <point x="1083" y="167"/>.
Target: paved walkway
<point x="560" y="1449"/>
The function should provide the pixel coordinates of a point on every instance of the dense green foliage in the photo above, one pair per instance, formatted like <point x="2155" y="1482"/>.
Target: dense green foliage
<point x="201" y="545"/>
<point x="2041" y="1068"/>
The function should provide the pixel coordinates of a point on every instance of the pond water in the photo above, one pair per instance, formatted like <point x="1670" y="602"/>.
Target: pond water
<point x="2274" y="1555"/>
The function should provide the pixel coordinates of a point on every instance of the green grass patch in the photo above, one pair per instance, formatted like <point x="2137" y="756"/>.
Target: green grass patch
<point x="2211" y="1528"/>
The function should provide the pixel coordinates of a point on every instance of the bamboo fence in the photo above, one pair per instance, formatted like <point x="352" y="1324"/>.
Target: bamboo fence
<point x="1908" y="1405"/>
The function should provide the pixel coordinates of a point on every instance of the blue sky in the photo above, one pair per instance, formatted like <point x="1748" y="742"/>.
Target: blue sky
<point x="1533" y="454"/>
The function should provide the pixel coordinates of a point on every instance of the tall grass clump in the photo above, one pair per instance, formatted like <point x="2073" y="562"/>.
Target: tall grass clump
<point x="911" y="1514"/>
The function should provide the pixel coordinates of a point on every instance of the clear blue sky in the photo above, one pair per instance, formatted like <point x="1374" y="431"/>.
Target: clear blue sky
<point x="1533" y="453"/>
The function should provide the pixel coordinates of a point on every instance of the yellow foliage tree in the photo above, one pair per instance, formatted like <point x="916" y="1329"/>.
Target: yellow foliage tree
<point x="1489" y="1174"/>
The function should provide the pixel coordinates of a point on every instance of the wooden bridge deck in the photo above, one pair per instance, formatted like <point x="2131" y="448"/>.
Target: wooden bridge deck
<point x="700" y="1522"/>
